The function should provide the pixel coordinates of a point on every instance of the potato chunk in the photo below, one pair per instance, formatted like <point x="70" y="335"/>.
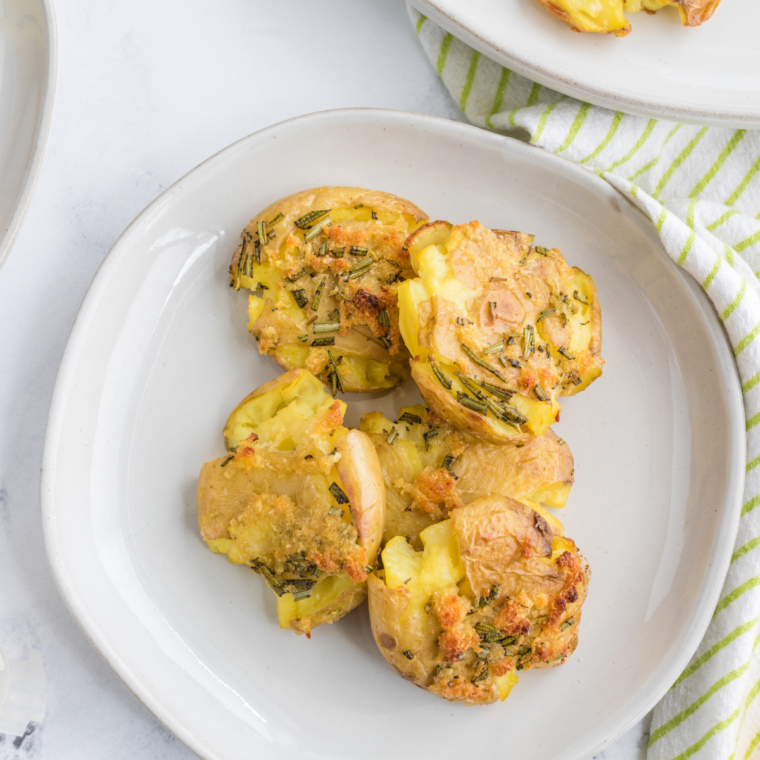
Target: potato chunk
<point x="492" y="592"/>
<point x="325" y="265"/>
<point x="498" y="328"/>
<point x="431" y="468"/>
<point x="300" y="500"/>
<point x="606" y="16"/>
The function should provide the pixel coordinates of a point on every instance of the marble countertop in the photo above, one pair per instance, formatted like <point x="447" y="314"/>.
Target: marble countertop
<point x="146" y="91"/>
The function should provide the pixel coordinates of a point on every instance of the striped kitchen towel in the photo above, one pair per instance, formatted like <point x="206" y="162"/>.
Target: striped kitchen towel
<point x="701" y="189"/>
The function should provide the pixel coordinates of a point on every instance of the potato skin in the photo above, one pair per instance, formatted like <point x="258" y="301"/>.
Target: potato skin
<point x="465" y="419"/>
<point x="359" y="470"/>
<point x="386" y="609"/>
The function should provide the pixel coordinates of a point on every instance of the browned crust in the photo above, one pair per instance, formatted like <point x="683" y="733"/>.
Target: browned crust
<point x="446" y="407"/>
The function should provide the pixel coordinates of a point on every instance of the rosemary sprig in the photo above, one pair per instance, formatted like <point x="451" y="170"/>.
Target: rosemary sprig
<point x="442" y="379"/>
<point x="495" y="348"/>
<point x="300" y="297"/>
<point x="541" y="394"/>
<point x="480" y="362"/>
<point x="316" y="229"/>
<point x="323" y="341"/>
<point x="544" y="314"/>
<point x="261" y="227"/>
<point x="318" y="294"/>
<point x="305" y="222"/>
<point x="325" y="327"/>
<point x="529" y="341"/>
<point x="391" y="438"/>
<point x="565" y="353"/>
<point x="274" y="221"/>
<point x="471" y="403"/>
<point x="358" y="250"/>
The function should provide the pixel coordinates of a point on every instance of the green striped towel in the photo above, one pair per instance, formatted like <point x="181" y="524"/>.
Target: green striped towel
<point x="701" y="189"/>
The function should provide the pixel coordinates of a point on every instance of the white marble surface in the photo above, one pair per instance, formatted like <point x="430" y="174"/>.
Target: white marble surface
<point x="147" y="90"/>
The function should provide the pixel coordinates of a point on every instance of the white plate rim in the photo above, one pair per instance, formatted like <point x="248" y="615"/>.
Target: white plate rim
<point x="554" y="78"/>
<point x="78" y="609"/>
<point x="41" y="138"/>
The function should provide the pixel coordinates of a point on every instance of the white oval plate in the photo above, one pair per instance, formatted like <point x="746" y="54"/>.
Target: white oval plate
<point x="159" y="356"/>
<point x="703" y="75"/>
<point x="27" y="86"/>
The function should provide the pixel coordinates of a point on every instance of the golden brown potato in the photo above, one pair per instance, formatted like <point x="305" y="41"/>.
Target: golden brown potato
<point x="498" y="328"/>
<point x="326" y="264"/>
<point x="492" y="592"/>
<point x="300" y="500"/>
<point x="606" y="16"/>
<point x="429" y="468"/>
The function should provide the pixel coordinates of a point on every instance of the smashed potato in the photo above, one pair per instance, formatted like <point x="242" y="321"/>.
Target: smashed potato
<point x="606" y="16"/>
<point x="326" y="264"/>
<point x="430" y="468"/>
<point x="498" y="328"/>
<point x="300" y="500"/>
<point x="492" y="592"/>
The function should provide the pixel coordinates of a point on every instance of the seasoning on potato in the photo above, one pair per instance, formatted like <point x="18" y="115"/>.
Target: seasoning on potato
<point x="498" y="328"/>
<point x="606" y="16"/>
<point x="299" y="499"/>
<point x="430" y="468"/>
<point x="324" y="266"/>
<point x="493" y="592"/>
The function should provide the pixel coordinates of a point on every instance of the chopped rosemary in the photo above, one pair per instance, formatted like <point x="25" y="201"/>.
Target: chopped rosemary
<point x="261" y="227"/>
<point x="566" y="624"/>
<point x="336" y="512"/>
<point x="358" y="250"/>
<point x="323" y="341"/>
<point x="480" y="674"/>
<point x="495" y="348"/>
<point x="338" y="494"/>
<point x="460" y="321"/>
<point x="274" y="221"/>
<point x="332" y="377"/>
<point x="300" y="297"/>
<point x="257" y="249"/>
<point x="412" y="419"/>
<point x="303" y="338"/>
<point x="558" y="658"/>
<point x="492" y="309"/>
<point x="408" y="654"/>
<point x="530" y="295"/>
<point x="448" y="463"/>
<point x="428" y="435"/>
<point x="516" y="363"/>
<point x="316" y="229"/>
<point x="361" y="205"/>
<point x="541" y="394"/>
<point x="480" y="362"/>
<point x="529" y="341"/>
<point x="565" y="353"/>
<point x="358" y="269"/>
<point x="382" y="318"/>
<point x="391" y="439"/>
<point x="511" y="340"/>
<point x="437" y="671"/>
<point x="228" y="460"/>
<point x="471" y="403"/>
<point x="337" y="253"/>
<point x="374" y="215"/>
<point x="540" y="249"/>
<point x="323" y="251"/>
<point x="513" y="414"/>
<point x="580" y="297"/>
<point x="501" y="393"/>
<point x="335" y="375"/>
<point x="385" y="341"/>
<point x="311" y="320"/>
<point x="318" y="294"/>
<point x="261" y="286"/>
<point x="544" y="314"/>
<point x="333" y="315"/>
<point x="540" y="620"/>
<point x="298" y="275"/>
<point x="324" y="327"/>
<point x="305" y="222"/>
<point x="442" y="379"/>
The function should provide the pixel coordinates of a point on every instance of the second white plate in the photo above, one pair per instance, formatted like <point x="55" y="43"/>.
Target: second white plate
<point x="159" y="355"/>
<point x="703" y="75"/>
